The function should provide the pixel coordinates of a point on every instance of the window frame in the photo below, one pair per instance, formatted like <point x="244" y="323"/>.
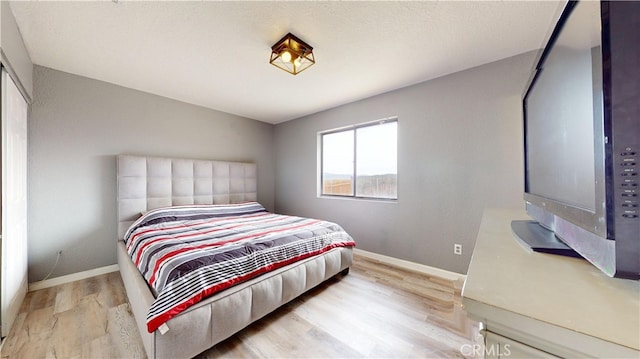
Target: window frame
<point x="353" y="128"/>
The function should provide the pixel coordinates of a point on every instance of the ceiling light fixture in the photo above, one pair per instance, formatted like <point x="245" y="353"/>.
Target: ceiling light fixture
<point x="292" y="54"/>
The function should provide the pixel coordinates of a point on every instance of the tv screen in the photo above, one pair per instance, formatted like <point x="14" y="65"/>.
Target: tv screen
<point x="564" y="123"/>
<point x="582" y="139"/>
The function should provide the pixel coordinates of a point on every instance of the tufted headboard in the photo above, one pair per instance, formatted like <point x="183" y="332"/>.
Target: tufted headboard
<point x="146" y="183"/>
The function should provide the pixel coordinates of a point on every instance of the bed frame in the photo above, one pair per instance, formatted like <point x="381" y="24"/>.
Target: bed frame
<point x="145" y="183"/>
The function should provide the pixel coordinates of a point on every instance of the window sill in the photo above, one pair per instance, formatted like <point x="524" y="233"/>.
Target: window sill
<point x="360" y="199"/>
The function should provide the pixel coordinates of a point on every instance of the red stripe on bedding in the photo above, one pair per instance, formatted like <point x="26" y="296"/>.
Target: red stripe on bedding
<point x="172" y="254"/>
<point x="157" y="321"/>
<point x="140" y="250"/>
<point x="184" y="224"/>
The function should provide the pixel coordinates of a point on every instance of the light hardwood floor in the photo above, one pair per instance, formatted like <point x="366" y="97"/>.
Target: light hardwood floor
<point x="375" y="311"/>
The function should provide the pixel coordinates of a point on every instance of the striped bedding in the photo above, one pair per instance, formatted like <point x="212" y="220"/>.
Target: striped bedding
<point x="187" y="253"/>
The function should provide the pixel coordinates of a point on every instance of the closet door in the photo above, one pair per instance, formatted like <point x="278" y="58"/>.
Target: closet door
<point x="14" y="201"/>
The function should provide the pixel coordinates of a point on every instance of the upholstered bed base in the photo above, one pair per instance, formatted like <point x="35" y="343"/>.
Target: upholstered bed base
<point x="224" y="314"/>
<point x="145" y="183"/>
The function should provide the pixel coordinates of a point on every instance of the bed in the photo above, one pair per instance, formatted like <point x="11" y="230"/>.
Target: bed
<point x="147" y="188"/>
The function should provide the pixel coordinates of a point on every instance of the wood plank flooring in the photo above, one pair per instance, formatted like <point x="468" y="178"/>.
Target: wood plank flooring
<point x="375" y="311"/>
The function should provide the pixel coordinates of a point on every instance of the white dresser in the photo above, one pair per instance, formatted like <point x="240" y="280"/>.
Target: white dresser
<point x="543" y="305"/>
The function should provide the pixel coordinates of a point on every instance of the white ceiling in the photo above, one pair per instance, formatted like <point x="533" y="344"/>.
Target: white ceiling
<point x="215" y="54"/>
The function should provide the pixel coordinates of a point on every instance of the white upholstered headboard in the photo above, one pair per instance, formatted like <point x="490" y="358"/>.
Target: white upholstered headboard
<point x="145" y="183"/>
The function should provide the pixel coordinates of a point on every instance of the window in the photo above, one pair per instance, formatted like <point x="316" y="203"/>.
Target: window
<point x="361" y="161"/>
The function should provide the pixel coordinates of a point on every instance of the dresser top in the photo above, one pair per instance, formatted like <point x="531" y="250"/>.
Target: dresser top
<point x="565" y="292"/>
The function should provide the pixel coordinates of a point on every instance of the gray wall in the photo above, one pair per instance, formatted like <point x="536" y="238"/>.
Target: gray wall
<point x="459" y="151"/>
<point x="78" y="126"/>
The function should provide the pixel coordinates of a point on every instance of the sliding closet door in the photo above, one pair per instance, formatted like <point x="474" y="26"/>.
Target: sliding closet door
<point x="14" y="201"/>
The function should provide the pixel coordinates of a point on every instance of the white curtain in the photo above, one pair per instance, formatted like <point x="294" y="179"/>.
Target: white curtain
<point x="14" y="200"/>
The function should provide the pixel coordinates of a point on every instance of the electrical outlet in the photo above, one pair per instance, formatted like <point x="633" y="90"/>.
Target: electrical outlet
<point x="457" y="249"/>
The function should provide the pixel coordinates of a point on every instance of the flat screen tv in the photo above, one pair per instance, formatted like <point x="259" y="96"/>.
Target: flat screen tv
<point x="582" y="139"/>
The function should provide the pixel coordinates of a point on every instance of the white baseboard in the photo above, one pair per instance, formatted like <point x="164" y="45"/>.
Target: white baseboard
<point x="72" y="277"/>
<point x="416" y="267"/>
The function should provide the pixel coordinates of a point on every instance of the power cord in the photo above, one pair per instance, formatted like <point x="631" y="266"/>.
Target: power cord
<point x="54" y="266"/>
